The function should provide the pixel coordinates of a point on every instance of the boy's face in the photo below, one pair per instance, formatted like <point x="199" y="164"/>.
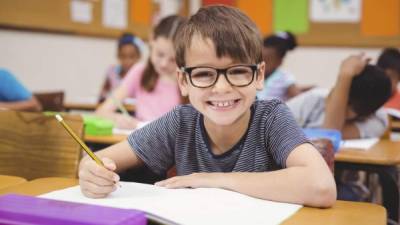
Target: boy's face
<point x="221" y="104"/>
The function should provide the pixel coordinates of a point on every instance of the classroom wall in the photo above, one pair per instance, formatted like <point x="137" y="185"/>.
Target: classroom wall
<point x="77" y="64"/>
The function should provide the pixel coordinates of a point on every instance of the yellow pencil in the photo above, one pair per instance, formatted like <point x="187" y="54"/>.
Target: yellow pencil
<point x="81" y="143"/>
<point x="120" y="106"/>
<point x="77" y="139"/>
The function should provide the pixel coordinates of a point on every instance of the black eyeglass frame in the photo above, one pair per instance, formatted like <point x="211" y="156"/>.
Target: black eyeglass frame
<point x="253" y="67"/>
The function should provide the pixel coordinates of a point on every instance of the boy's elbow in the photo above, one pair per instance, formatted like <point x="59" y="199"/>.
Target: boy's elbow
<point x="324" y="194"/>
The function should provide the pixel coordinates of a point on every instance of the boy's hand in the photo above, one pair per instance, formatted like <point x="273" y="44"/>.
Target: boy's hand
<point x="353" y="65"/>
<point x="194" y="180"/>
<point x="97" y="181"/>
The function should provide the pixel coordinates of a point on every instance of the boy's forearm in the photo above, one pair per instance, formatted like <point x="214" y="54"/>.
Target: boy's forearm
<point x="300" y="186"/>
<point x="336" y="104"/>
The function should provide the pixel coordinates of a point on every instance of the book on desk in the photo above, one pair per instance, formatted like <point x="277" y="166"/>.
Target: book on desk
<point x="187" y="206"/>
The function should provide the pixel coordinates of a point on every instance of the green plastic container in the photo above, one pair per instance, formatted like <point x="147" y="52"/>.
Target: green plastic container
<point x="97" y="126"/>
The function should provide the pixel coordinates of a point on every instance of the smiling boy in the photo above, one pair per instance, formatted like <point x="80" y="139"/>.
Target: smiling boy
<point x="224" y="139"/>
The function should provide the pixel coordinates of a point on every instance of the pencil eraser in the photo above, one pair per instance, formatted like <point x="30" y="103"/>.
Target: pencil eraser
<point x="59" y="118"/>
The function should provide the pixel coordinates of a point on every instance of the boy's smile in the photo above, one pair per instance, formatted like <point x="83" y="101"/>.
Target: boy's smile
<point x="221" y="104"/>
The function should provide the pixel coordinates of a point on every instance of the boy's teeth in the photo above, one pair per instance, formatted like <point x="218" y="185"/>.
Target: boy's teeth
<point x="223" y="103"/>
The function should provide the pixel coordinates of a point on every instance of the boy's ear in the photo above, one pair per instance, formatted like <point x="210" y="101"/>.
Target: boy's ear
<point x="182" y="82"/>
<point x="260" y="77"/>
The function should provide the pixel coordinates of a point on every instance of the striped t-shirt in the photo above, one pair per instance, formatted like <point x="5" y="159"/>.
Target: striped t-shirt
<point x="179" y="138"/>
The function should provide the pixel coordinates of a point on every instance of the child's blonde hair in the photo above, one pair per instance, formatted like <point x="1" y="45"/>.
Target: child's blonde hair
<point x="166" y="28"/>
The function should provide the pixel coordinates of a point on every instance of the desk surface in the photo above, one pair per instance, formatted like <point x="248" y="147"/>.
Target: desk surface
<point x="10" y="181"/>
<point x="107" y="139"/>
<point x="341" y="213"/>
<point x="91" y="106"/>
<point x="385" y="152"/>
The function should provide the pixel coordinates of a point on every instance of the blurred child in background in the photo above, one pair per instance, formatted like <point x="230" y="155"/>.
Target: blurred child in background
<point x="153" y="84"/>
<point x="389" y="60"/>
<point x="352" y="106"/>
<point x="278" y="83"/>
<point x="130" y="49"/>
<point x="14" y="96"/>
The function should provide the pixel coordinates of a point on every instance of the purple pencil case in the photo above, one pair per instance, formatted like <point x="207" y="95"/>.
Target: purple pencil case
<point x="26" y="210"/>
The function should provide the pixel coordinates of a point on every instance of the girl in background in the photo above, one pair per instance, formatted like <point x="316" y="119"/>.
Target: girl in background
<point x="130" y="49"/>
<point x="278" y="84"/>
<point x="153" y="84"/>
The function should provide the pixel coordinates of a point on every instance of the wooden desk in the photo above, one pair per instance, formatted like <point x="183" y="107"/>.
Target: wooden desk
<point x="342" y="212"/>
<point x="10" y="181"/>
<point x="107" y="140"/>
<point x="382" y="159"/>
<point x="385" y="152"/>
<point x="349" y="213"/>
<point x="40" y="186"/>
<point x="91" y="106"/>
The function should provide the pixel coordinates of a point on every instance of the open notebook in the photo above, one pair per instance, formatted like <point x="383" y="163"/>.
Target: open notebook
<point x="187" y="206"/>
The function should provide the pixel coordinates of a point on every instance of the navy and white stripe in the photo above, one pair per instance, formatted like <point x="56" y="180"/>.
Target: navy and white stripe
<point x="179" y="138"/>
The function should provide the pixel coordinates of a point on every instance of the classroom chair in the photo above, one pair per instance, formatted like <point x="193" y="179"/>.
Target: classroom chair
<point x="326" y="149"/>
<point x="35" y="145"/>
<point x="51" y="101"/>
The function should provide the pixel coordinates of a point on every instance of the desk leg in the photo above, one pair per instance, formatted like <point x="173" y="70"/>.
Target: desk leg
<point x="388" y="179"/>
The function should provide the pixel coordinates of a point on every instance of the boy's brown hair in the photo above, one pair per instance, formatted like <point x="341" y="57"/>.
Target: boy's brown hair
<point x="231" y="31"/>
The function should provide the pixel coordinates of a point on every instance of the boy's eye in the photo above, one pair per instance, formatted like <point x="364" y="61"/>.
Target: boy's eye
<point x="202" y="74"/>
<point x="239" y="71"/>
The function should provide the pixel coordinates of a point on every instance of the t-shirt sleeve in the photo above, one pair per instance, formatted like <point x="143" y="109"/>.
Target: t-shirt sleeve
<point x="373" y="126"/>
<point x="155" y="142"/>
<point x="284" y="134"/>
<point x="288" y="79"/>
<point x="296" y="106"/>
<point x="132" y="79"/>
<point x="11" y="89"/>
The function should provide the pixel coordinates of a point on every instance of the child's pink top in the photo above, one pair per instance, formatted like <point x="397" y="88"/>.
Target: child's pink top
<point x="150" y="105"/>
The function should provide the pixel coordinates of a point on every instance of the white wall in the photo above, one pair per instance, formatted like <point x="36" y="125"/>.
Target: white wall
<point x="57" y="62"/>
<point x="320" y="66"/>
<point x="77" y="64"/>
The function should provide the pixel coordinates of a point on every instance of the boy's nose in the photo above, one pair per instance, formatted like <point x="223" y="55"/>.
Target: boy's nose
<point x="222" y="84"/>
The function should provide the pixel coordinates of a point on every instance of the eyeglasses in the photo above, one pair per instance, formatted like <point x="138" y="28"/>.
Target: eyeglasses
<point x="204" y="77"/>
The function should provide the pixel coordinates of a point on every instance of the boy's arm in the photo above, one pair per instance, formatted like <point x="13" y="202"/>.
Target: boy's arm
<point x="307" y="180"/>
<point x="337" y="102"/>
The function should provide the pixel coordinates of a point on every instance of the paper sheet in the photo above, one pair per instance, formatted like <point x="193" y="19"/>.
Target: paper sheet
<point x="81" y="11"/>
<point x="362" y="144"/>
<point x="392" y="112"/>
<point x="122" y="131"/>
<point x="115" y="14"/>
<point x="188" y="206"/>
<point x="334" y="11"/>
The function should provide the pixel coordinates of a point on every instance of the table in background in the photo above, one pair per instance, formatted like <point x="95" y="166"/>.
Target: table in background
<point x="382" y="158"/>
<point x="91" y="106"/>
<point x="104" y="139"/>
